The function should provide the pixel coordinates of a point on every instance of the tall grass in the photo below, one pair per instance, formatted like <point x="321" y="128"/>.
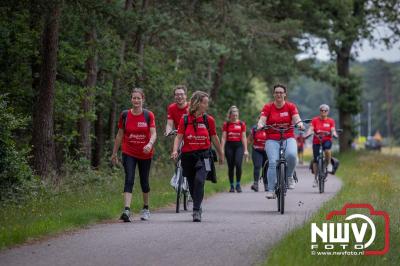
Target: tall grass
<point x="371" y="178"/>
<point x="92" y="197"/>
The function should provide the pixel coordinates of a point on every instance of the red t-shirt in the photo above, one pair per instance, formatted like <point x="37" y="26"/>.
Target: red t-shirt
<point x="136" y="135"/>
<point x="234" y="131"/>
<point x="279" y="117"/>
<point x="199" y="139"/>
<point x="259" y="138"/>
<point x="175" y="113"/>
<point x="322" y="125"/>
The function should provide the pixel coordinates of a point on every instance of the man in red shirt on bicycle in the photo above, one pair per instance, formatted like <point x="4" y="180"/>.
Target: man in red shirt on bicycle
<point x="319" y="125"/>
<point x="177" y="109"/>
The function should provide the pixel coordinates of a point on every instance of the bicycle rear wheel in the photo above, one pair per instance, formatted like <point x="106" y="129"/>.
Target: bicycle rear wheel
<point x="282" y="187"/>
<point x="179" y="189"/>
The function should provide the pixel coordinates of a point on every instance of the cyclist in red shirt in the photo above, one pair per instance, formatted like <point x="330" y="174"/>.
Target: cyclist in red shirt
<point x="197" y="135"/>
<point x="234" y="144"/>
<point x="322" y="124"/>
<point x="137" y="132"/>
<point x="258" y="155"/>
<point x="280" y="113"/>
<point x="177" y="109"/>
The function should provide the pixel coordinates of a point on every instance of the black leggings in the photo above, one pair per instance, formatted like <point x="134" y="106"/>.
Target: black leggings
<point x="259" y="157"/>
<point x="234" y="157"/>
<point x="195" y="172"/>
<point x="129" y="163"/>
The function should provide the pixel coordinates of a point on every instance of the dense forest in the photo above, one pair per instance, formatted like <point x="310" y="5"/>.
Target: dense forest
<point x="68" y="66"/>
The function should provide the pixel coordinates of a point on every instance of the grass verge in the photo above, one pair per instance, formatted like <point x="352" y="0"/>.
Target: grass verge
<point x="98" y="199"/>
<point x="367" y="177"/>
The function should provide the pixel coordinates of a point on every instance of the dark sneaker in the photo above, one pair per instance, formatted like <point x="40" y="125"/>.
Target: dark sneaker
<point x="232" y="190"/>
<point x="126" y="216"/>
<point x="196" y="216"/>
<point x="238" y="189"/>
<point x="254" y="187"/>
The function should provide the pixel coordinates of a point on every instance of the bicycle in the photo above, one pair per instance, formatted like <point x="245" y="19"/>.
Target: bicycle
<point x="322" y="170"/>
<point x="281" y="165"/>
<point x="182" y="186"/>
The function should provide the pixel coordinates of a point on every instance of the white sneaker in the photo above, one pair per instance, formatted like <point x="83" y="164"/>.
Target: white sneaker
<point x="291" y="182"/>
<point x="270" y="195"/>
<point x="315" y="183"/>
<point x="145" y="215"/>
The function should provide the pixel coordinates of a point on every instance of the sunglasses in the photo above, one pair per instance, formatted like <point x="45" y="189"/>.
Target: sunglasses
<point x="323" y="110"/>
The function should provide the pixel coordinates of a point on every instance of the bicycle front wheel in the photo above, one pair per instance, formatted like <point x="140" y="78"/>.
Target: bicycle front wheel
<point x="321" y="176"/>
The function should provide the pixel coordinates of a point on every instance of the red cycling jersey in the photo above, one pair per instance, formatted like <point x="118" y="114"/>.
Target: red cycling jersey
<point x="198" y="139"/>
<point x="234" y="131"/>
<point x="259" y="138"/>
<point x="279" y="117"/>
<point x="175" y="113"/>
<point x="136" y="135"/>
<point x="322" y="125"/>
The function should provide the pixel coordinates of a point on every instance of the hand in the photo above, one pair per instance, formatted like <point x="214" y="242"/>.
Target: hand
<point x="246" y="156"/>
<point x="114" y="159"/>
<point x="259" y="126"/>
<point x="221" y="160"/>
<point x="147" y="148"/>
<point x="301" y="126"/>
<point x="174" y="155"/>
<point x="166" y="133"/>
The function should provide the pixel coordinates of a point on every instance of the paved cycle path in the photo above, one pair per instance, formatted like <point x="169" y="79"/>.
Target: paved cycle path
<point x="237" y="229"/>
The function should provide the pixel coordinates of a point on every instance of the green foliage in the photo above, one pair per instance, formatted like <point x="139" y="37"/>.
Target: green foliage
<point x="14" y="170"/>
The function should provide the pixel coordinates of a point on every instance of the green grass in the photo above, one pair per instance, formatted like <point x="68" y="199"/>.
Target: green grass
<point x="92" y="202"/>
<point x="367" y="178"/>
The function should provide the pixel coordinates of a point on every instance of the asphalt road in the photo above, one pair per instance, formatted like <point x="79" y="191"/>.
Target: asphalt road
<point x="237" y="229"/>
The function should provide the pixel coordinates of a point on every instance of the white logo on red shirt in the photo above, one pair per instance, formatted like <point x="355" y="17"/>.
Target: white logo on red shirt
<point x="141" y="124"/>
<point x="201" y="126"/>
<point x="284" y="114"/>
<point x="326" y="125"/>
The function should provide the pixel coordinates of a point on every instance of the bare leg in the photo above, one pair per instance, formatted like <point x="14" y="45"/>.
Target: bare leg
<point x="127" y="199"/>
<point x="146" y="199"/>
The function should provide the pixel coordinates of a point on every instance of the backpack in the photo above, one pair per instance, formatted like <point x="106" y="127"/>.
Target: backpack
<point x="125" y="116"/>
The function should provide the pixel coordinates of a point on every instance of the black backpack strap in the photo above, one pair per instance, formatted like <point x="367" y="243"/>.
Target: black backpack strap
<point x="146" y="116"/>
<point x="185" y="121"/>
<point x="124" y="118"/>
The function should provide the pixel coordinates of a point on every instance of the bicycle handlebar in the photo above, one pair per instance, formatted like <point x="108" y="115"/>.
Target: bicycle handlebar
<point x="284" y="129"/>
<point x="172" y="133"/>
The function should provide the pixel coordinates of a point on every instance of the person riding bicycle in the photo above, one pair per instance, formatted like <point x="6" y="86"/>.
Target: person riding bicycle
<point x="258" y="155"/>
<point x="177" y="109"/>
<point x="280" y="113"/>
<point x="300" y="146"/>
<point x="137" y="132"/>
<point x="322" y="124"/>
<point x="197" y="135"/>
<point x="234" y="144"/>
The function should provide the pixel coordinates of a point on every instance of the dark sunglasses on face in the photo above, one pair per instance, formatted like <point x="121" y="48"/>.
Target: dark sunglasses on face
<point x="323" y="110"/>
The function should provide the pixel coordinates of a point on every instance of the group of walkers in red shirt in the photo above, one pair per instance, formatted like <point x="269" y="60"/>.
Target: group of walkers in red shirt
<point x="197" y="130"/>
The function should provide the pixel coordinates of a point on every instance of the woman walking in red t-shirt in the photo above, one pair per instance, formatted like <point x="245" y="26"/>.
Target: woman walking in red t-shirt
<point x="280" y="113"/>
<point x="234" y="144"/>
<point x="197" y="134"/>
<point x="137" y="132"/>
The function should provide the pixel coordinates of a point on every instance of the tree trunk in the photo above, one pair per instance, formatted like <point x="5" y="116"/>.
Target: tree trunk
<point x="117" y="81"/>
<point x="99" y="142"/>
<point x="43" y="128"/>
<point x="345" y="119"/>
<point x="218" y="78"/>
<point x="140" y="42"/>
<point x="86" y="103"/>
